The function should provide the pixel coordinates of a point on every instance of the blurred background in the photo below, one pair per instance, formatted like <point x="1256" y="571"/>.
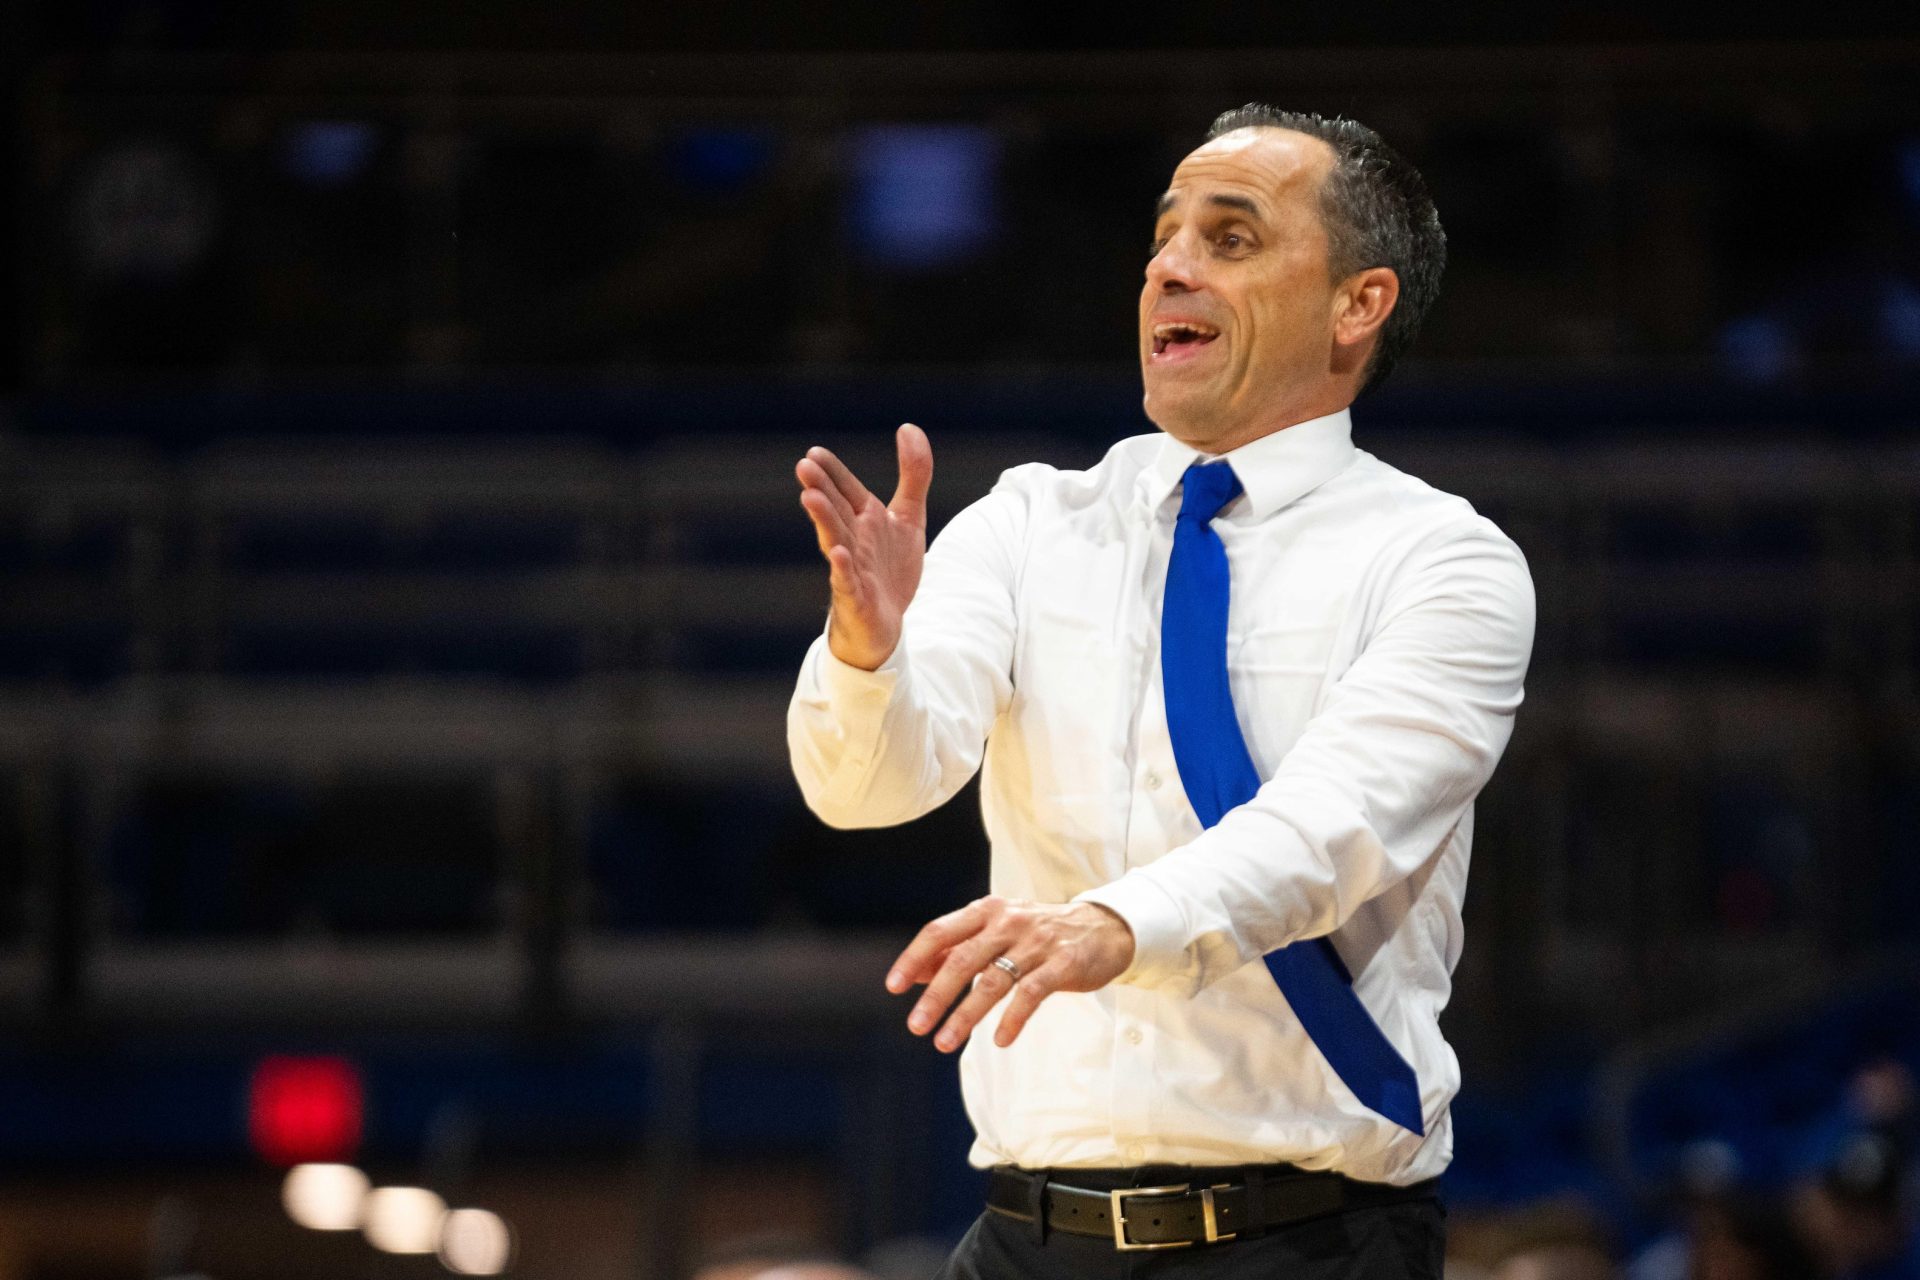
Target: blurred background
<point x="403" y="584"/>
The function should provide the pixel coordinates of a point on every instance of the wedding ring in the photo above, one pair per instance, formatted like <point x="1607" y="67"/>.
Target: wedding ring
<point x="1007" y="967"/>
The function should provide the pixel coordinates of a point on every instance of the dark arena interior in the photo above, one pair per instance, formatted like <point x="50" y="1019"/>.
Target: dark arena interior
<point x="402" y="870"/>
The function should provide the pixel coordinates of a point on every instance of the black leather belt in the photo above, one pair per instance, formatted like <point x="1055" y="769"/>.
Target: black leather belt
<point x="1214" y="1205"/>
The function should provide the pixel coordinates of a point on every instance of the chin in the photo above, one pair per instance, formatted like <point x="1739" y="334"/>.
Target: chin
<point x="1181" y="421"/>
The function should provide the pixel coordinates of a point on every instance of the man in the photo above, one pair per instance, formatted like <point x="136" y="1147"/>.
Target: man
<point x="1236" y="687"/>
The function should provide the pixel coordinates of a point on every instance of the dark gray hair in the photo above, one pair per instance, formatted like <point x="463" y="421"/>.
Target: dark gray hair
<point x="1377" y="214"/>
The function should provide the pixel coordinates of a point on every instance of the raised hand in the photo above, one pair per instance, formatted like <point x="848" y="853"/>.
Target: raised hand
<point x="874" y="550"/>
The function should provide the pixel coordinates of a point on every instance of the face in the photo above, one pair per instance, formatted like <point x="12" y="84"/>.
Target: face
<point x="1237" y="315"/>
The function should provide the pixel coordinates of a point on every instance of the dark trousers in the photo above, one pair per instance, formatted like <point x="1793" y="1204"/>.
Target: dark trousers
<point x="1405" y="1241"/>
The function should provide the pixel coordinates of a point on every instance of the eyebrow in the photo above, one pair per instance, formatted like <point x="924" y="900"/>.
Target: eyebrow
<point x="1241" y="203"/>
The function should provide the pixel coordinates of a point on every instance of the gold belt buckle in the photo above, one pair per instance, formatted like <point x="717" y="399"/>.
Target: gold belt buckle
<point x="1118" y="1194"/>
<point x="1207" y="1218"/>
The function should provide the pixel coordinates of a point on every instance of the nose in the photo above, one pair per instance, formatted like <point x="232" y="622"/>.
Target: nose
<point x="1175" y="269"/>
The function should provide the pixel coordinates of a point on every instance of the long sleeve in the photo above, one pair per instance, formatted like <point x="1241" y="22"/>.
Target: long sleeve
<point x="876" y="748"/>
<point x="1371" y="789"/>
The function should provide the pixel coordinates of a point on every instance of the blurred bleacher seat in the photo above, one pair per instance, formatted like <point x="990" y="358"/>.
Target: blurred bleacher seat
<point x="493" y="688"/>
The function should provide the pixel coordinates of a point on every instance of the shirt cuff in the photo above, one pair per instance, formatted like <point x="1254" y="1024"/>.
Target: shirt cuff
<point x="1161" y="957"/>
<point x="844" y="683"/>
<point x="857" y="700"/>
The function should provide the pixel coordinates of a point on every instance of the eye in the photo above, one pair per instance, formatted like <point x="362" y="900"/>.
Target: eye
<point x="1232" y="240"/>
<point x="1153" y="249"/>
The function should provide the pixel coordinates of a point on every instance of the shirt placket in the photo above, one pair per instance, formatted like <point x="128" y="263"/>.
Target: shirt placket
<point x="1151" y="779"/>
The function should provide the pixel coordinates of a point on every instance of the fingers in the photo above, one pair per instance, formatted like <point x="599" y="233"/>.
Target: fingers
<point x="924" y="955"/>
<point x="814" y="479"/>
<point x="823" y="473"/>
<point x="832" y="524"/>
<point x="955" y="956"/>
<point x="840" y="576"/>
<point x="844" y="480"/>
<point x="828" y="521"/>
<point x="833" y="545"/>
<point x="916" y="474"/>
<point x="989" y="987"/>
<point x="1027" y="995"/>
<point x="1065" y="947"/>
<point x="962" y="965"/>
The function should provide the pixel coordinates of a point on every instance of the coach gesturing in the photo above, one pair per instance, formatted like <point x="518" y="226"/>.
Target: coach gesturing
<point x="1236" y="687"/>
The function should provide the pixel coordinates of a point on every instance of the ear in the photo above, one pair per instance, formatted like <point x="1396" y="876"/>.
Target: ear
<point x="1361" y="305"/>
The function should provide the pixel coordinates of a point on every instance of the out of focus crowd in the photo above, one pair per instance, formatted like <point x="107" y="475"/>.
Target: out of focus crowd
<point x="1846" y="1210"/>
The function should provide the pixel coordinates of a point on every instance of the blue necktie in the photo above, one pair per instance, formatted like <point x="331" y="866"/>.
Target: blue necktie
<point x="1218" y="775"/>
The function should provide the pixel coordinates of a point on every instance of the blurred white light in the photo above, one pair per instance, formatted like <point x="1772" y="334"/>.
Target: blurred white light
<point x="475" y="1242"/>
<point x="403" y="1219"/>
<point x="325" y="1197"/>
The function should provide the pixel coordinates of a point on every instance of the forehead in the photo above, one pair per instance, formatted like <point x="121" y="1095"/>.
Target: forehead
<point x="1272" y="166"/>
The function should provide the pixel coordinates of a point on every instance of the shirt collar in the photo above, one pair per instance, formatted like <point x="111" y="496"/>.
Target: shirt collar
<point x="1278" y="468"/>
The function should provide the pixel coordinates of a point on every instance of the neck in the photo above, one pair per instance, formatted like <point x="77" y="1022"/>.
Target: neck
<point x="1228" y="440"/>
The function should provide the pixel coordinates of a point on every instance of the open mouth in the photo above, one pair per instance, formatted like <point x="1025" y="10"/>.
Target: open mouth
<point x="1180" y="337"/>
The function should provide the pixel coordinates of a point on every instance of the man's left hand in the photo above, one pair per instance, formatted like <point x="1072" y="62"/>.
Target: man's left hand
<point x="1071" y="947"/>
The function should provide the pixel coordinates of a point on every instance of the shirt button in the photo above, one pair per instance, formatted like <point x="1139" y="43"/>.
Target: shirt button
<point x="1153" y="781"/>
<point x="1133" y="1035"/>
<point x="1135" y="1152"/>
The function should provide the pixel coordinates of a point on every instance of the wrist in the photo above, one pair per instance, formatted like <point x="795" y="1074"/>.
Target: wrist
<point x="1116" y="935"/>
<point x="866" y="654"/>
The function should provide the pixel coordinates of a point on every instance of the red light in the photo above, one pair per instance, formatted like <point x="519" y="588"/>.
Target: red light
<point x="304" y="1110"/>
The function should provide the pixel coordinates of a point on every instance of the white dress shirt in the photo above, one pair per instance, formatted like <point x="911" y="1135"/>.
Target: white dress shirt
<point x="1377" y="637"/>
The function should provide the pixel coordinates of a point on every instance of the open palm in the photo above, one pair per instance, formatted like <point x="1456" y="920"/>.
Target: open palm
<point x="874" y="550"/>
